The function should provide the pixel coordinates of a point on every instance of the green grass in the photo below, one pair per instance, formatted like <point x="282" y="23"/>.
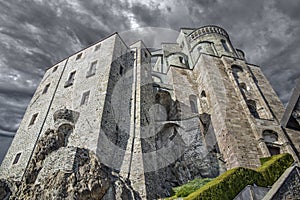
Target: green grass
<point x="230" y="183"/>
<point x="191" y="186"/>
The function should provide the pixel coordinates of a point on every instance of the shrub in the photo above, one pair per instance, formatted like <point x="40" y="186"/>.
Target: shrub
<point x="272" y="169"/>
<point x="229" y="184"/>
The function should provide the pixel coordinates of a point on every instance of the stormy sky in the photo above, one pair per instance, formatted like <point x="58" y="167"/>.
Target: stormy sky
<point x="35" y="34"/>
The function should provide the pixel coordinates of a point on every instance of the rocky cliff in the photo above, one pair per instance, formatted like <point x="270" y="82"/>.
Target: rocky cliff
<point x="60" y="172"/>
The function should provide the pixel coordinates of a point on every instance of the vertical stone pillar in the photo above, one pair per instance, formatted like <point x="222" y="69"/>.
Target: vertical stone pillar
<point x="132" y="167"/>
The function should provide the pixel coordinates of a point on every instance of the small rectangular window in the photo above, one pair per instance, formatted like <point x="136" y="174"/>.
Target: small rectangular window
<point x="17" y="158"/>
<point x="70" y="79"/>
<point x="33" y="119"/>
<point x="92" y="69"/>
<point x="46" y="88"/>
<point x="78" y="56"/>
<point x="181" y="60"/>
<point x="55" y="68"/>
<point x="121" y="70"/>
<point x="97" y="47"/>
<point x="85" y="98"/>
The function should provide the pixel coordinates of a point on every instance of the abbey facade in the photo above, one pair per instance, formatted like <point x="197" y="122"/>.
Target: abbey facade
<point x="157" y="119"/>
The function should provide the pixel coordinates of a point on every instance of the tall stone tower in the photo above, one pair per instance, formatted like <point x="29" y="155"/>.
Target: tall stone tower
<point x="147" y="120"/>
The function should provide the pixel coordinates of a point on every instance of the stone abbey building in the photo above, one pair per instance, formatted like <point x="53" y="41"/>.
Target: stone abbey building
<point x="116" y="121"/>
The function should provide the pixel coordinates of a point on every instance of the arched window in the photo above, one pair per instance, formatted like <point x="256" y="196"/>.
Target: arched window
<point x="203" y="94"/>
<point x="225" y="46"/>
<point x="252" y="107"/>
<point x="236" y="70"/>
<point x="271" y="139"/>
<point x="156" y="79"/>
<point x="204" y="47"/>
<point x="270" y="136"/>
<point x="204" y="102"/>
<point x="193" y="103"/>
<point x="181" y="60"/>
<point x="65" y="131"/>
<point x="243" y="88"/>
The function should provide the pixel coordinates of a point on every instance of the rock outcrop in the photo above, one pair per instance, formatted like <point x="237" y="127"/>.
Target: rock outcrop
<point x="57" y="171"/>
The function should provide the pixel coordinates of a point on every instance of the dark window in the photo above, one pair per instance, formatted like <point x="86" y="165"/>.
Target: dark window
<point x="78" y="56"/>
<point x="92" y="70"/>
<point x="145" y="54"/>
<point x="273" y="150"/>
<point x="46" y="88"/>
<point x="85" y="98"/>
<point x="193" y="103"/>
<point x="236" y="71"/>
<point x="181" y="60"/>
<point x="225" y="46"/>
<point x="97" y="47"/>
<point x="252" y="108"/>
<point x="203" y="94"/>
<point x="17" y="158"/>
<point x="33" y="118"/>
<point x="55" y="68"/>
<point x="121" y="70"/>
<point x="70" y="79"/>
<point x="243" y="86"/>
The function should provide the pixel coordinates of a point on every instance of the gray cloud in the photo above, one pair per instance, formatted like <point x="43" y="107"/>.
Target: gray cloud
<point x="36" y="34"/>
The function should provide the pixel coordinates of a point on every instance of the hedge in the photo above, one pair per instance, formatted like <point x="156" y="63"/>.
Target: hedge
<point x="230" y="183"/>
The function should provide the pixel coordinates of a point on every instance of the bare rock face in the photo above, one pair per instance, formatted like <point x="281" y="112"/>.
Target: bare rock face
<point x="5" y="189"/>
<point x="87" y="179"/>
<point x="57" y="171"/>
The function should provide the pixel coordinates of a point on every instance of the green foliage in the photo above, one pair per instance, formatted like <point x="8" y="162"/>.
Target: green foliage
<point x="265" y="159"/>
<point x="191" y="186"/>
<point x="229" y="184"/>
<point x="274" y="167"/>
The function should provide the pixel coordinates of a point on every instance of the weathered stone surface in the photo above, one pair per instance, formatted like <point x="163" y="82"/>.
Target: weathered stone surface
<point x="287" y="186"/>
<point x="59" y="172"/>
<point x="252" y="192"/>
<point x="5" y="189"/>
<point x="88" y="179"/>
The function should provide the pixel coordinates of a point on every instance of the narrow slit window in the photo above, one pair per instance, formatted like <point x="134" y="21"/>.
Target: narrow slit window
<point x="85" y="98"/>
<point x="121" y="70"/>
<point x="181" y="60"/>
<point x="70" y="79"/>
<point x="55" y="68"/>
<point x="45" y="90"/>
<point x="225" y="46"/>
<point x="33" y="119"/>
<point x="193" y="103"/>
<point x="92" y="69"/>
<point x="78" y="56"/>
<point x="17" y="158"/>
<point x="97" y="47"/>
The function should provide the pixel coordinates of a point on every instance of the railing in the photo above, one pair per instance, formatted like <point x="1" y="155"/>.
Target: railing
<point x="207" y="30"/>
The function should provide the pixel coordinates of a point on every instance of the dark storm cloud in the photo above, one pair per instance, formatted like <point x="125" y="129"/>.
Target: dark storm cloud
<point x="268" y="32"/>
<point x="36" y="34"/>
